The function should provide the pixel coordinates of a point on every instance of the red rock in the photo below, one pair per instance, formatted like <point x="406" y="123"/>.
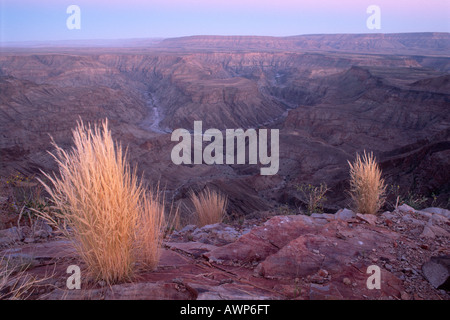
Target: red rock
<point x="313" y="250"/>
<point x="299" y="258"/>
<point x="266" y="239"/>
<point x="324" y="292"/>
<point x="369" y="218"/>
<point x="128" y="291"/>
<point x="294" y="257"/>
<point x="197" y="249"/>
<point x="45" y="251"/>
<point x="389" y="222"/>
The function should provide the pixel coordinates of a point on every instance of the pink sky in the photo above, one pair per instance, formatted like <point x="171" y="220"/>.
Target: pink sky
<point x="398" y="6"/>
<point x="45" y="19"/>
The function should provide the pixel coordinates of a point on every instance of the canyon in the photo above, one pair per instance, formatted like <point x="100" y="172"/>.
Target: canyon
<point x="329" y="96"/>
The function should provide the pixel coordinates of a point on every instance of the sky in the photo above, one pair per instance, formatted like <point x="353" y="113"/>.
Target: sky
<point x="45" y="20"/>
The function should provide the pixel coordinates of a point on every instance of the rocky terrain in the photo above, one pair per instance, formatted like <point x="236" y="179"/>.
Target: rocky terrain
<point x="322" y="256"/>
<point x="329" y="102"/>
<point x="406" y="43"/>
<point x="329" y="95"/>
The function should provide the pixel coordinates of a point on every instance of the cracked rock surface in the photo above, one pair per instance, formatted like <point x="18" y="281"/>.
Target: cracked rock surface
<point x="282" y="257"/>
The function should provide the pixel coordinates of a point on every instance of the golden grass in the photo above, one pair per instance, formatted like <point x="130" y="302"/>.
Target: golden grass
<point x="104" y="208"/>
<point x="210" y="206"/>
<point x="367" y="188"/>
<point x="149" y="235"/>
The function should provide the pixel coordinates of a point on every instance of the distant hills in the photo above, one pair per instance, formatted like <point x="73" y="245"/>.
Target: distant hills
<point x="329" y="95"/>
<point x="429" y="43"/>
<point x="397" y="43"/>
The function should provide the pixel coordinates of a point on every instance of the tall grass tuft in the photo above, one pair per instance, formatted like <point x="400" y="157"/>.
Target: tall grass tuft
<point x="105" y="209"/>
<point x="149" y="234"/>
<point x="367" y="188"/>
<point x="210" y="206"/>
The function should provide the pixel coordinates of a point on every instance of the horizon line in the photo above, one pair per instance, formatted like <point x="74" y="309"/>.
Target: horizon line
<point x="160" y="39"/>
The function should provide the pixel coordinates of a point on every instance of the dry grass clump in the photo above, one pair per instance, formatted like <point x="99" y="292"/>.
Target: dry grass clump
<point x="104" y="208"/>
<point x="367" y="188"/>
<point x="151" y="222"/>
<point x="15" y="282"/>
<point x="15" y="286"/>
<point x="210" y="206"/>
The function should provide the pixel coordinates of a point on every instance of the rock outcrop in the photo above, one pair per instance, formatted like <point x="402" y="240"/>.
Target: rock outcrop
<point x="328" y="256"/>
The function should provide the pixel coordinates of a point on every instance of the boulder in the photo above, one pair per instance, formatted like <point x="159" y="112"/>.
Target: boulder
<point x="9" y="236"/>
<point x="440" y="211"/>
<point x="431" y="231"/>
<point x="437" y="271"/>
<point x="345" y="215"/>
<point x="405" y="208"/>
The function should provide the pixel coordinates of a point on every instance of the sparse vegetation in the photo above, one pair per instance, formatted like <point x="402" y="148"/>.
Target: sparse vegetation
<point x="395" y="197"/>
<point x="152" y="226"/>
<point x="314" y="197"/>
<point x="414" y="201"/>
<point x="15" y="282"/>
<point x="22" y="196"/>
<point x="367" y="188"/>
<point x="286" y="210"/>
<point x="210" y="206"/>
<point x="25" y="191"/>
<point x="104" y="209"/>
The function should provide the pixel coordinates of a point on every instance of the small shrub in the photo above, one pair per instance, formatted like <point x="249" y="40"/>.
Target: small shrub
<point x="414" y="201"/>
<point x="24" y="191"/>
<point x="209" y="206"/>
<point x="315" y="196"/>
<point x="367" y="188"/>
<point x="393" y="196"/>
